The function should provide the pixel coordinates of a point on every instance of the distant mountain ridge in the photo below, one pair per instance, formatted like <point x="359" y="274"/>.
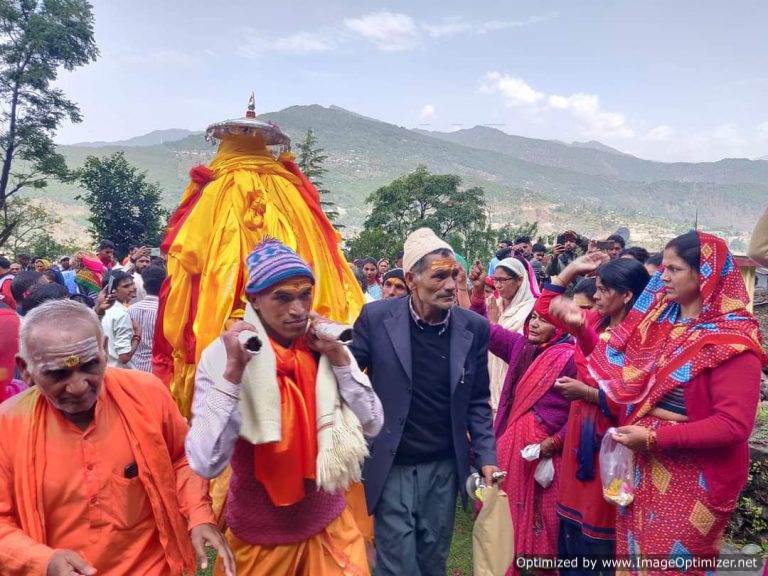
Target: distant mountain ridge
<point x="596" y="158"/>
<point x="595" y="145"/>
<point x="151" y="139"/>
<point x="584" y="184"/>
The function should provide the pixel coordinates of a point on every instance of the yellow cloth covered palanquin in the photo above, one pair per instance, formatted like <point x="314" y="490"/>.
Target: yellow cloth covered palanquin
<point x="244" y="195"/>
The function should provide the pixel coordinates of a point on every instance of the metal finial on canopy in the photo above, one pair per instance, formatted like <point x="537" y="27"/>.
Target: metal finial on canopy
<point x="249" y="126"/>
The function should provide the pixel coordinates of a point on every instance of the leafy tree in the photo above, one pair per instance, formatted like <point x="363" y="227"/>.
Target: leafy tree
<point x="45" y="245"/>
<point x="311" y="160"/>
<point x="37" y="39"/>
<point x="423" y="199"/>
<point x="372" y="243"/>
<point x="510" y="232"/>
<point x="125" y="207"/>
<point x="32" y="235"/>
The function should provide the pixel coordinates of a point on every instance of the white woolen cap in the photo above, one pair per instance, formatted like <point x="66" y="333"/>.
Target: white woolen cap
<point x="420" y="243"/>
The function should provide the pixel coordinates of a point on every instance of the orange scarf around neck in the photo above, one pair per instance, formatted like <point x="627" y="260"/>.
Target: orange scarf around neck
<point x="281" y="467"/>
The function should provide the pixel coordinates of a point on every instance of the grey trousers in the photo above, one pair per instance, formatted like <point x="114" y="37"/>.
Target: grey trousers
<point x="413" y="522"/>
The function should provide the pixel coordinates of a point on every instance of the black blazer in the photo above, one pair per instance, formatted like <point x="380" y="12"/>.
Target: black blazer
<point x="382" y="344"/>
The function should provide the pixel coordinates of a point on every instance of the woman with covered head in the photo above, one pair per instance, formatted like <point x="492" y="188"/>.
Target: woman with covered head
<point x="89" y="273"/>
<point x="530" y="411"/>
<point x="587" y="521"/>
<point x="288" y="409"/>
<point x="683" y="371"/>
<point x="509" y="310"/>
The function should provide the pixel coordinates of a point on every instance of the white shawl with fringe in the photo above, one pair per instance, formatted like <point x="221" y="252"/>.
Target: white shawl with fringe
<point x="341" y="446"/>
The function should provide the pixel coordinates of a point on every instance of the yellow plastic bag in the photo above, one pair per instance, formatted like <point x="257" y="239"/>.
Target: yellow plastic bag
<point x="493" y="536"/>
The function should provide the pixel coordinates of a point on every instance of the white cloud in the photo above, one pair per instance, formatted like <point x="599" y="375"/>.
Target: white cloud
<point x="388" y="31"/>
<point x="595" y="121"/>
<point x="300" y="43"/>
<point x="581" y="115"/>
<point x="515" y="91"/>
<point x="592" y="120"/>
<point x="496" y="25"/>
<point x="303" y="43"/>
<point x="448" y="27"/>
<point x="729" y="135"/>
<point x="454" y="25"/>
<point x="661" y="133"/>
<point x="427" y="112"/>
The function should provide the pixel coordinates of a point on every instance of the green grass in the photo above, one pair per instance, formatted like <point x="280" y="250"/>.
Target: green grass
<point x="209" y="571"/>
<point x="459" y="560"/>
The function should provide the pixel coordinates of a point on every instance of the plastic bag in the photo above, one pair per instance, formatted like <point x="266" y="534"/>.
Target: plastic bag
<point x="545" y="472"/>
<point x="531" y="452"/>
<point x="493" y="536"/>
<point x="617" y="470"/>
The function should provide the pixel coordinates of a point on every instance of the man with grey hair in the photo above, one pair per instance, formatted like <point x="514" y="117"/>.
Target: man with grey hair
<point x="93" y="476"/>
<point x="429" y="367"/>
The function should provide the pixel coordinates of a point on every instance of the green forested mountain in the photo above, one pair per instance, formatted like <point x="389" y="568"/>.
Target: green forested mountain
<point x="586" y="185"/>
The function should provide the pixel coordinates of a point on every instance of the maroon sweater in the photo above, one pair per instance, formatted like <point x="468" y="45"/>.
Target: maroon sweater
<point x="721" y="405"/>
<point x="254" y="519"/>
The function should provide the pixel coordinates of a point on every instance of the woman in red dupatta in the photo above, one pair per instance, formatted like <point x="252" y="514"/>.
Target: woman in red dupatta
<point x="684" y="369"/>
<point x="586" y="520"/>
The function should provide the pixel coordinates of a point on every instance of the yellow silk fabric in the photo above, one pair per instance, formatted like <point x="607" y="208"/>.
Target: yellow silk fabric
<point x="252" y="196"/>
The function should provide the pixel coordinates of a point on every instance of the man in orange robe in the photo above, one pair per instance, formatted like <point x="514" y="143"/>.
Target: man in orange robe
<point x="93" y="475"/>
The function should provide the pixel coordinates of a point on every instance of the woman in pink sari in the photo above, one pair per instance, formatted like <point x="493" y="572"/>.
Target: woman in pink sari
<point x="530" y="411"/>
<point x="537" y="411"/>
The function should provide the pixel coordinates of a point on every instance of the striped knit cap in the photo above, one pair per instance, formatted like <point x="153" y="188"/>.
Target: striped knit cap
<point x="270" y="263"/>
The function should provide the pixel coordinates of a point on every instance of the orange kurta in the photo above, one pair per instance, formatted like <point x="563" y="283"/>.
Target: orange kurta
<point x="88" y="501"/>
<point x="84" y="501"/>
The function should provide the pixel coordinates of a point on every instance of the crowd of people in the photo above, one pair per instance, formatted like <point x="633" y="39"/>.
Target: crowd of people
<point x="123" y="293"/>
<point x="450" y="367"/>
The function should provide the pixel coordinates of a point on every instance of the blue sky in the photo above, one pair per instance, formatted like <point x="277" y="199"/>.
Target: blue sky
<point x="671" y="81"/>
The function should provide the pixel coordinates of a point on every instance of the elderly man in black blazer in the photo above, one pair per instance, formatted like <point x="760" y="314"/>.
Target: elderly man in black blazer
<point x="427" y="360"/>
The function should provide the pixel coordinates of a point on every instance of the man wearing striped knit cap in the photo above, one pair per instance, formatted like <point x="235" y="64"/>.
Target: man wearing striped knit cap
<point x="289" y="409"/>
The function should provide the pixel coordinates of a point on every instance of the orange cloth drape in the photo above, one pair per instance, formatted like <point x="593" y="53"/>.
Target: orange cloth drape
<point x="283" y="466"/>
<point x="338" y="550"/>
<point x="244" y="196"/>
